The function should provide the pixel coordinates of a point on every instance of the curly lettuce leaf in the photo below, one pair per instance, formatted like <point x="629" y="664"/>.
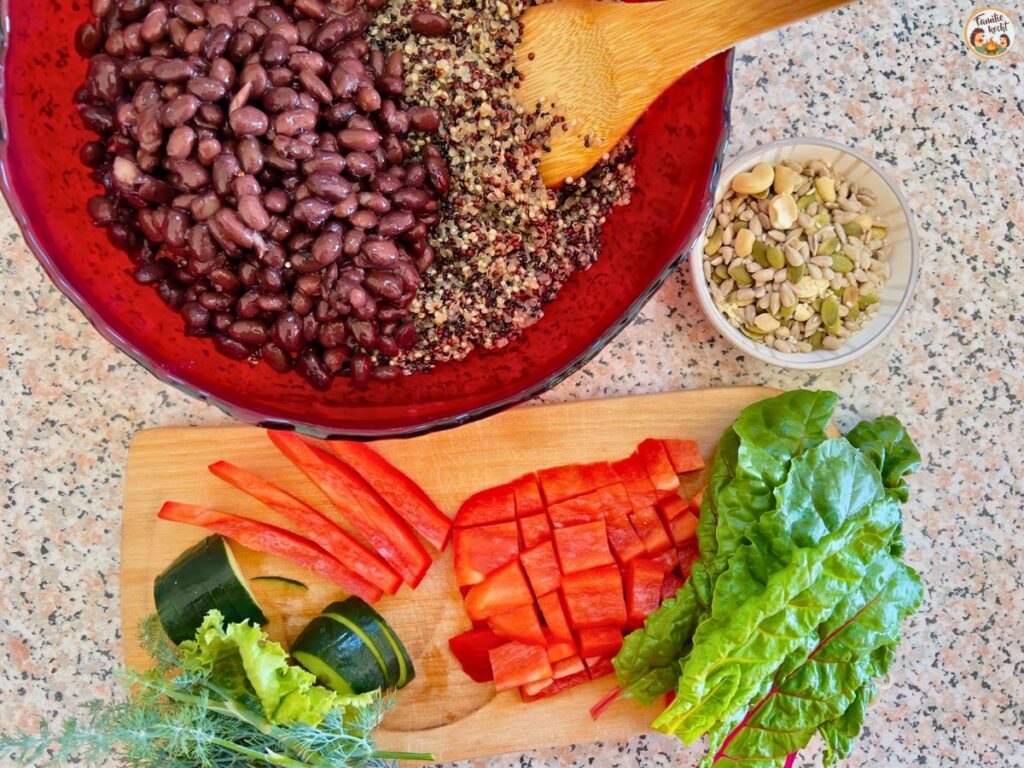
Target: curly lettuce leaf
<point x="244" y="663"/>
<point x="886" y="443"/>
<point x="733" y="653"/>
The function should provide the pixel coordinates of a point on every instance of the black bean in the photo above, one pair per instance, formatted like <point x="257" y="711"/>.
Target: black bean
<point x="251" y="332"/>
<point x="312" y="212"/>
<point x="217" y="302"/>
<point x="229" y="347"/>
<point x="425" y="119"/>
<point x="250" y="155"/>
<point x="410" y="199"/>
<point x="360" y="164"/>
<point x="276" y="358"/>
<point x="374" y="201"/>
<point x="395" y="223"/>
<point x="381" y="253"/>
<point x="363" y="219"/>
<point x="217" y="41"/>
<point x="248" y="121"/>
<point x="430" y="24"/>
<point x="88" y="39"/>
<point x="276" y="201"/>
<point x="207" y="88"/>
<point x="359" y="139"/>
<point x="353" y="241"/>
<point x="295" y="121"/>
<point x="311" y="368"/>
<point x="383" y="285"/>
<point x="208" y="150"/>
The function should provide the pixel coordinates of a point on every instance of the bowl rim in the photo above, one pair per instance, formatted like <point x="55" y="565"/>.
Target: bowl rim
<point x="253" y="416"/>
<point x="793" y="360"/>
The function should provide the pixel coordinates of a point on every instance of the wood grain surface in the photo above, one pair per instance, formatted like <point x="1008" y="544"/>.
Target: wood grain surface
<point x="442" y="711"/>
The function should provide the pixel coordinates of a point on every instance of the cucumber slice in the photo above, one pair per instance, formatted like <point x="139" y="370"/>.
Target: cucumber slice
<point x="202" y="578"/>
<point x="381" y="635"/>
<point x="339" y="657"/>
<point x="283" y="581"/>
<point x="406" y="671"/>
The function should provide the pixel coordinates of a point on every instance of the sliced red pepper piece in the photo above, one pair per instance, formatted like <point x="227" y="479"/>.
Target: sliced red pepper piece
<point x="667" y="561"/>
<point x="598" y="667"/>
<point x="697" y="500"/>
<point x="515" y="664"/>
<point x="561" y="483"/>
<point x="670" y="586"/>
<point x="633" y="475"/>
<point x="483" y="549"/>
<point x="520" y="624"/>
<point x="337" y="541"/>
<point x="683" y="528"/>
<point x="554" y="616"/>
<point x="684" y="455"/>
<point x="471" y="649"/>
<point x="594" y="598"/>
<point x="526" y="490"/>
<point x="644" y="579"/>
<point x="378" y="523"/>
<point x="651" y="532"/>
<point x="558" y="686"/>
<point x="689" y="552"/>
<point x="535" y="689"/>
<point x="672" y="507"/>
<point x="541" y="568"/>
<point x="599" y="641"/>
<point x="569" y="666"/>
<point x="581" y="547"/>
<point x="583" y="509"/>
<point x="404" y="495"/>
<point x="614" y="499"/>
<point x="598" y="474"/>
<point x="623" y="540"/>
<point x="659" y="468"/>
<point x="491" y="505"/>
<point x="559" y="649"/>
<point x="500" y="592"/>
<point x="534" y="529"/>
<point x="272" y="541"/>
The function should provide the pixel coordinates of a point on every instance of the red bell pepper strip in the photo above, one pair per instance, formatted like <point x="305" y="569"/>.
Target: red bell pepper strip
<point x="500" y="592"/>
<point x="633" y="475"/>
<point x="470" y="650"/>
<point x="689" y="552"/>
<point x="526" y="490"/>
<point x="644" y="579"/>
<point x="541" y="568"/>
<point x="521" y="625"/>
<point x="623" y="539"/>
<point x="599" y="641"/>
<point x="671" y="585"/>
<point x="594" y="598"/>
<point x="651" y="532"/>
<point x="534" y="529"/>
<point x="554" y="616"/>
<point x="667" y="561"/>
<point x="684" y="455"/>
<point x="404" y="495"/>
<point x="558" y="649"/>
<point x="659" y="468"/>
<point x="564" y="482"/>
<point x="337" y="541"/>
<point x="359" y="503"/>
<point x="558" y="686"/>
<point x="535" y="689"/>
<point x="483" y="549"/>
<point x="570" y="666"/>
<point x="516" y="664"/>
<point x="587" y="508"/>
<point x="491" y="505"/>
<point x="272" y="541"/>
<point x="581" y="547"/>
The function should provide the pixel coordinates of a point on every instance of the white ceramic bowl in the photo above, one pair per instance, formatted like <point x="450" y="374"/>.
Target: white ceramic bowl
<point x="891" y="208"/>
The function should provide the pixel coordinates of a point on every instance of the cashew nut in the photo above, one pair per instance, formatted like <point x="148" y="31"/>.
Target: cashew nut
<point x="782" y="211"/>
<point x="786" y="180"/>
<point x="743" y="243"/>
<point x="757" y="180"/>
<point x="826" y="188"/>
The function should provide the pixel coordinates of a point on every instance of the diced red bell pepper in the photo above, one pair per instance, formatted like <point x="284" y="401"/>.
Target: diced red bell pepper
<point x="559" y="649"/>
<point x="684" y="455"/>
<point x="667" y="561"/>
<point x="325" y="532"/>
<point x="558" y="686"/>
<point x="659" y="468"/>
<point x="404" y="495"/>
<point x="644" y="579"/>
<point x="581" y="547"/>
<point x="672" y="507"/>
<point x="587" y="508"/>
<point x="273" y="541"/>
<point x="554" y="616"/>
<point x="535" y="689"/>
<point x="561" y="483"/>
<point x="541" y="568"/>
<point x="500" y="592"/>
<point x="633" y="475"/>
<point x="651" y="532"/>
<point x="670" y="586"/>
<point x="526" y="489"/>
<point x="697" y="500"/>
<point x="683" y="528"/>
<point x="598" y="474"/>
<point x="569" y="666"/>
<point x="594" y="598"/>
<point x="482" y="550"/>
<point x="614" y="500"/>
<point x="515" y="664"/>
<point x="470" y="650"/>
<point x="491" y="505"/>
<point x="389" y="534"/>
<point x="534" y="529"/>
<point x="520" y="624"/>
<point x="623" y="540"/>
<point x="599" y="641"/>
<point x="598" y="667"/>
<point x="689" y="552"/>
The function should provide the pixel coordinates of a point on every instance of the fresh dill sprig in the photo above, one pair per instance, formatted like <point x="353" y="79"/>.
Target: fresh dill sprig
<point x="181" y="718"/>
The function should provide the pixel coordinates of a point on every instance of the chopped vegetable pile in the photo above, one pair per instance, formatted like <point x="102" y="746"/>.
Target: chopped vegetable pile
<point x="793" y="611"/>
<point x="555" y="565"/>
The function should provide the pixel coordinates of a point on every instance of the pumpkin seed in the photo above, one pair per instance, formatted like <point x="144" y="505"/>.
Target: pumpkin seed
<point x="721" y="272"/>
<point x="841" y="264"/>
<point x="804" y="201"/>
<point x="830" y="245"/>
<point x="795" y="273"/>
<point x="866" y="301"/>
<point x="739" y="273"/>
<point x="775" y="257"/>
<point x="714" y="243"/>
<point x="878" y="233"/>
<point x="830" y="313"/>
<point x="816" y="339"/>
<point x="760" y="253"/>
<point x="853" y="229"/>
<point x="854" y="313"/>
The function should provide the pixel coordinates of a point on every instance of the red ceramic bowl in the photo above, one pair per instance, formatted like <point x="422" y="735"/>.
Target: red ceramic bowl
<point x="680" y="144"/>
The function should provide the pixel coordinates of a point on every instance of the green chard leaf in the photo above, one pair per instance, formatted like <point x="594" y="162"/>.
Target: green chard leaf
<point x="886" y="443"/>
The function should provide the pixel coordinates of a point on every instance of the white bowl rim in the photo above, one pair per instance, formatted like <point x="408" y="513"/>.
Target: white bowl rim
<point x="795" y="360"/>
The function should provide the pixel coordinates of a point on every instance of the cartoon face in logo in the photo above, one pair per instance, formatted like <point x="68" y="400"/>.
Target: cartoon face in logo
<point x="989" y="33"/>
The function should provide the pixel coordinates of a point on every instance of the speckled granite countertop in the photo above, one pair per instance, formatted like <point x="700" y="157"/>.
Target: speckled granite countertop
<point x="892" y="79"/>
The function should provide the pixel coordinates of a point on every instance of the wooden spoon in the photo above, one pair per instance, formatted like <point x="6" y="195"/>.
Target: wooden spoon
<point x="601" y="64"/>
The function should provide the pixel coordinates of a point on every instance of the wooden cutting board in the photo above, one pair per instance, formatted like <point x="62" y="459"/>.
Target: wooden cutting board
<point x="443" y="711"/>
